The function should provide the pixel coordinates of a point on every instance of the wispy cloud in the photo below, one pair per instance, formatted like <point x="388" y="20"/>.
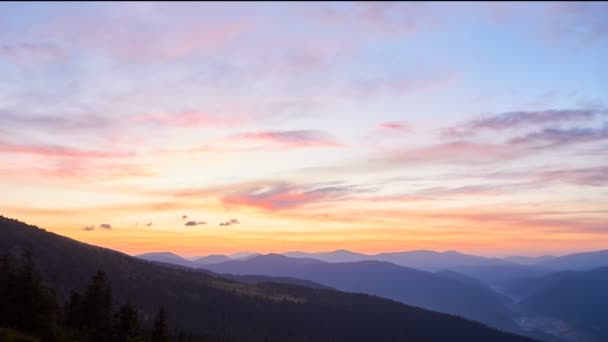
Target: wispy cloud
<point x="105" y="226"/>
<point x="65" y="123"/>
<point x="520" y="119"/>
<point x="191" y="119"/>
<point x="454" y="152"/>
<point x="126" y="36"/>
<point x="59" y="151"/>
<point x="280" y="196"/>
<point x="596" y="176"/>
<point x="295" y="138"/>
<point x="553" y="137"/>
<point x="394" y="126"/>
<point x="29" y="52"/>
<point x="373" y="18"/>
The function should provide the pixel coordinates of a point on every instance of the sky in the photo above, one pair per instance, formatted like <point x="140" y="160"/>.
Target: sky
<point x="203" y="128"/>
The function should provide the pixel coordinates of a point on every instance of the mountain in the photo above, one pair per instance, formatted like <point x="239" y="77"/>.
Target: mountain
<point x="578" y="261"/>
<point x="242" y="255"/>
<point x="207" y="304"/>
<point x="526" y="260"/>
<point x="211" y="259"/>
<point x="384" y="279"/>
<point x="341" y="255"/>
<point x="167" y="258"/>
<point x="463" y="278"/>
<point x="575" y="301"/>
<point x="502" y="276"/>
<point x="435" y="261"/>
<point x="421" y="259"/>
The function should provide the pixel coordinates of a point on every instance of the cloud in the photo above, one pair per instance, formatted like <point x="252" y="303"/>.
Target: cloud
<point x="184" y="217"/>
<point x="26" y="52"/>
<point x="59" y="151"/>
<point x="553" y="137"/>
<point x="190" y="119"/>
<point x="402" y="83"/>
<point x="371" y="18"/>
<point x="200" y="30"/>
<point x="65" y="123"/>
<point x="461" y="151"/>
<point x="149" y="224"/>
<point x="394" y="126"/>
<point x="294" y="138"/>
<point x="597" y="176"/>
<point x="279" y="196"/>
<point x="520" y="119"/>
<point x="195" y="223"/>
<point x="103" y="226"/>
<point x="230" y="222"/>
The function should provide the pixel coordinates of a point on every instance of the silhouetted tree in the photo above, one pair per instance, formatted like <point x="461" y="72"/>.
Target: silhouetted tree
<point x="160" y="332"/>
<point x="126" y="325"/>
<point x="97" y="308"/>
<point x="26" y="304"/>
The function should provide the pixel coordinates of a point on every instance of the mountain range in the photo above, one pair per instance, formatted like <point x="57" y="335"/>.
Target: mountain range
<point x="407" y="285"/>
<point x="208" y="304"/>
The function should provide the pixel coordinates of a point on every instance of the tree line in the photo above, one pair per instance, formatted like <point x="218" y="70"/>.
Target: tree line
<point x="32" y="312"/>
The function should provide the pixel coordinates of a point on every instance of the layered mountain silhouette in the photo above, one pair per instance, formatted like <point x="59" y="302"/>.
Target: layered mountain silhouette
<point x="211" y="259"/>
<point x="407" y="285"/>
<point x="168" y="258"/>
<point x="527" y="260"/>
<point x="578" y="261"/>
<point x="207" y="304"/>
<point x="421" y="259"/>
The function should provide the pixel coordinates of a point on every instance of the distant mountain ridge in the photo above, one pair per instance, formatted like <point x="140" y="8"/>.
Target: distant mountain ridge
<point x="407" y="285"/>
<point x="427" y="260"/>
<point x="578" y="261"/>
<point x="420" y="259"/>
<point x="527" y="260"/>
<point x="168" y="258"/>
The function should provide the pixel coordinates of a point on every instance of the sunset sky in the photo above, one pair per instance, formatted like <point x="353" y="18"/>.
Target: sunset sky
<point x="203" y="128"/>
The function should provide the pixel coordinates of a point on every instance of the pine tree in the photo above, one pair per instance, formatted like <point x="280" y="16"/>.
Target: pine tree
<point x="73" y="311"/>
<point x="126" y="324"/>
<point x="160" y="331"/>
<point x="97" y="308"/>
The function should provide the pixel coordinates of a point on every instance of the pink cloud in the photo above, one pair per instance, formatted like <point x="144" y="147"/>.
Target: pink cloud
<point x="282" y="196"/>
<point x="147" y="33"/>
<point x="60" y="151"/>
<point x="395" y="126"/>
<point x="295" y="138"/>
<point x="456" y="152"/>
<point x="583" y="176"/>
<point x="372" y="18"/>
<point x="188" y="119"/>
